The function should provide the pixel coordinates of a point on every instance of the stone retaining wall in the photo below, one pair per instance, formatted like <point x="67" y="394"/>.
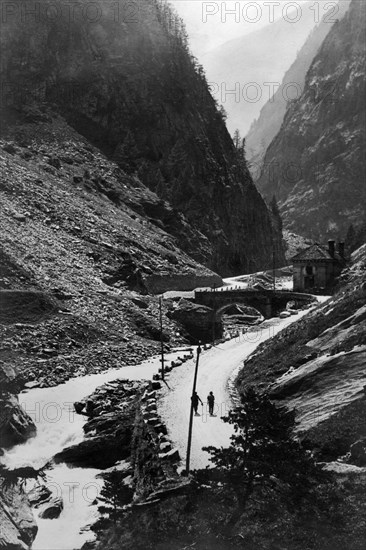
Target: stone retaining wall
<point x="159" y="283"/>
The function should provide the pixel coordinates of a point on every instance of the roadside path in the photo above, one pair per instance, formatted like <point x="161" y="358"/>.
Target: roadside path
<point x="215" y="368"/>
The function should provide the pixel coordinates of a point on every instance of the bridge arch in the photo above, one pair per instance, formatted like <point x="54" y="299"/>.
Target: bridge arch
<point x="221" y="311"/>
<point x="267" y="302"/>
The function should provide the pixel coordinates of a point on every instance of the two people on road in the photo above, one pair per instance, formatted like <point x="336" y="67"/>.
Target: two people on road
<point x="210" y="400"/>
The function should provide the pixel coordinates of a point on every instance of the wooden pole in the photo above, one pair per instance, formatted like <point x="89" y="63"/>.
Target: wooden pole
<point x="191" y="414"/>
<point x="161" y="340"/>
<point x="213" y="323"/>
<point x="273" y="264"/>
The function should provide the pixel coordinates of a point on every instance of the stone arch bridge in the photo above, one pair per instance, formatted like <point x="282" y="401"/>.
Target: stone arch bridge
<point x="268" y="302"/>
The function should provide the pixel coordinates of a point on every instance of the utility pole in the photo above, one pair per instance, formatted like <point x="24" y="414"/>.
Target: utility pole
<point x="273" y="264"/>
<point x="191" y="415"/>
<point x="161" y="339"/>
<point x="213" y="322"/>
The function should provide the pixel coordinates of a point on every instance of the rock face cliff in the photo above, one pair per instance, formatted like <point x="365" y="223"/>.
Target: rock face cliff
<point x="315" y="165"/>
<point x="268" y="124"/>
<point x="18" y="526"/>
<point x="124" y="79"/>
<point x="317" y="366"/>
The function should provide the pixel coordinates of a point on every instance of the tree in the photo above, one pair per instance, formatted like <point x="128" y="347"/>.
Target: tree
<point x="239" y="144"/>
<point x="222" y="113"/>
<point x="356" y="237"/>
<point x="276" y="212"/>
<point x="115" y="494"/>
<point x="237" y="139"/>
<point x="263" y="454"/>
<point x="127" y="154"/>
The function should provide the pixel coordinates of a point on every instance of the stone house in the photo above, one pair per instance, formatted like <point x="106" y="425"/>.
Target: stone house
<point x="317" y="267"/>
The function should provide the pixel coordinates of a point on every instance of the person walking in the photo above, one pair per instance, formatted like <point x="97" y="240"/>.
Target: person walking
<point x="195" y="399"/>
<point x="211" y="403"/>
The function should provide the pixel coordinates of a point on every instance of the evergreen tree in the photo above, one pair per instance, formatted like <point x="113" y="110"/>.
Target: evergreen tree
<point x="237" y="139"/>
<point x="356" y="237"/>
<point x="222" y="112"/>
<point x="263" y="453"/>
<point x="114" y="494"/>
<point x="177" y="160"/>
<point x="239" y="144"/>
<point x="276" y="212"/>
<point x="127" y="154"/>
<point x="351" y="238"/>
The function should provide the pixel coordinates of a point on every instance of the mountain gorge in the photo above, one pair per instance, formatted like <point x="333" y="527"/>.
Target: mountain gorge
<point x="127" y="83"/>
<point x="243" y="71"/>
<point x="120" y="189"/>
<point x="315" y="165"/>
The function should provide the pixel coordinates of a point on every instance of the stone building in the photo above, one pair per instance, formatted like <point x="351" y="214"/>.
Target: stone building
<point x="317" y="267"/>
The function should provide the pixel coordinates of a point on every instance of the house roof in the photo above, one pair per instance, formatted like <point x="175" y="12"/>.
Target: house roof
<point x="316" y="252"/>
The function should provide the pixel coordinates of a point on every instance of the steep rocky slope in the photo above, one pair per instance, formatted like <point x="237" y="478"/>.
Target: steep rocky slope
<point x="265" y="128"/>
<point x="317" y="366"/>
<point x="78" y="257"/>
<point x="18" y="526"/>
<point x="315" y="165"/>
<point x="257" y="60"/>
<point x="127" y="82"/>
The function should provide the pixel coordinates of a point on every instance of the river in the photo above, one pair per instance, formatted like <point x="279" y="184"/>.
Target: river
<point x="58" y="427"/>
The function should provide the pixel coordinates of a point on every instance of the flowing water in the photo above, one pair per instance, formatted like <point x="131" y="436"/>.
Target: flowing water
<point x="58" y="427"/>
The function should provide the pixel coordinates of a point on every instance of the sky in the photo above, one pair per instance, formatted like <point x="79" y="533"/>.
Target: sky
<point x="210" y="23"/>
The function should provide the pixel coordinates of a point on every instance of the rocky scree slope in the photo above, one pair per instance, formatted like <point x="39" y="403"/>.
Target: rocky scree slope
<point x="317" y="366"/>
<point x="268" y="124"/>
<point x="75" y="261"/>
<point x="315" y="165"/>
<point x="130" y="85"/>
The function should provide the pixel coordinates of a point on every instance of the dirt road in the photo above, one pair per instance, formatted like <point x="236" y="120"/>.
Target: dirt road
<point x="216" y="366"/>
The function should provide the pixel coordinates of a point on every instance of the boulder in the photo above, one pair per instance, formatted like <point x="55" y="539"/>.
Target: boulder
<point x="165" y="446"/>
<point x="32" y="384"/>
<point x="172" y="456"/>
<point x="154" y="421"/>
<point x="161" y="429"/>
<point x="15" y="424"/>
<point x="140" y="303"/>
<point x="358" y="452"/>
<point x="79" y="406"/>
<point x="285" y="314"/>
<point x="18" y="526"/>
<point x="199" y="321"/>
<point x="55" y="162"/>
<point x="149" y="414"/>
<point x="52" y="509"/>
<point x="97" y="452"/>
<point x="7" y="378"/>
<point x="39" y="495"/>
